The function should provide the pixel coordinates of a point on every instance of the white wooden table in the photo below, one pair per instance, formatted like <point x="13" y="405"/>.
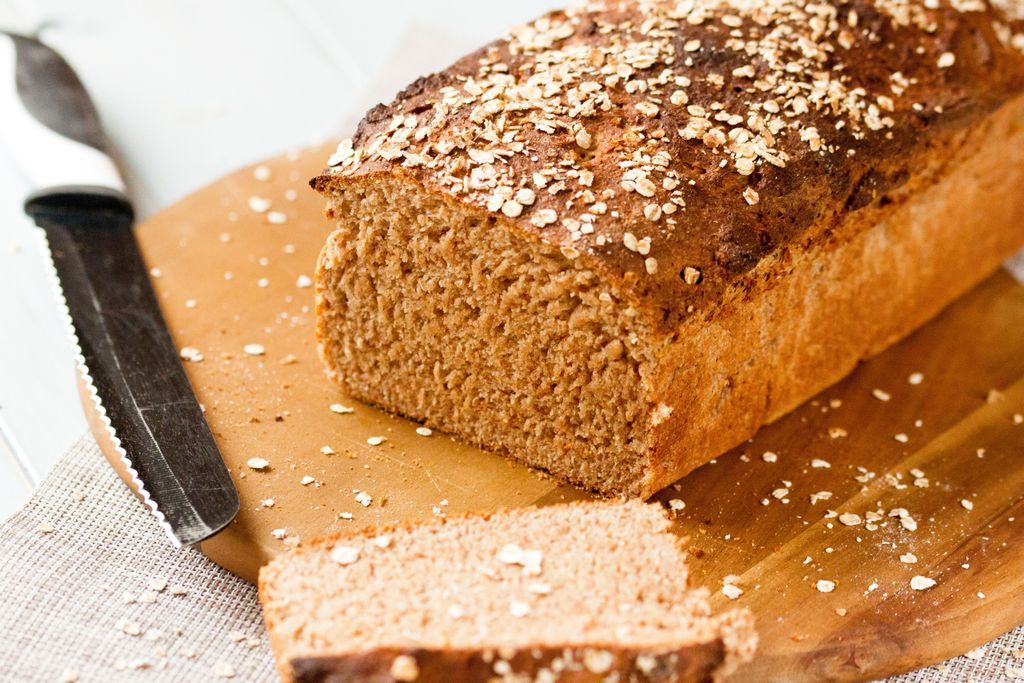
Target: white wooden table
<point x="189" y="91"/>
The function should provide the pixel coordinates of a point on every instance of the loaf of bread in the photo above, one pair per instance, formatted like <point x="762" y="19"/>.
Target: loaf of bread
<point x="614" y="243"/>
<point x="584" y="592"/>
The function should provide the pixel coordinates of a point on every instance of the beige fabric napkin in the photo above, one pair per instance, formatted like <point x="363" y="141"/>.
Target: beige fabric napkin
<point x="90" y="590"/>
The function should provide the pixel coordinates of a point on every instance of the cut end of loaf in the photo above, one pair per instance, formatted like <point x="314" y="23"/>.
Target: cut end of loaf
<point x="594" y="587"/>
<point x="445" y="314"/>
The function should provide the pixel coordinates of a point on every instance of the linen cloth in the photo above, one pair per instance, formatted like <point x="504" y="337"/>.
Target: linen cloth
<point x="91" y="590"/>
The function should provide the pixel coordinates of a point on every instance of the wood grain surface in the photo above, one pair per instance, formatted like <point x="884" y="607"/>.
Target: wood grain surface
<point x="931" y="427"/>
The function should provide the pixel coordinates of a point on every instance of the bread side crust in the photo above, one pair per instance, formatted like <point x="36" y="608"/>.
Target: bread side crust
<point x="584" y="664"/>
<point x="815" y="314"/>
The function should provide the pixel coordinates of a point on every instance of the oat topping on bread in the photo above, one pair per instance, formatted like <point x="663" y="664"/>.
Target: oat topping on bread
<point x="683" y="141"/>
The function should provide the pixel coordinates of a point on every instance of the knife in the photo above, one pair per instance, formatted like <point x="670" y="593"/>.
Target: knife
<point x="125" y="355"/>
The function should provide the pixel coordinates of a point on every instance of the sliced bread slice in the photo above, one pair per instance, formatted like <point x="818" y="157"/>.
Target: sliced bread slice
<point x="575" y="592"/>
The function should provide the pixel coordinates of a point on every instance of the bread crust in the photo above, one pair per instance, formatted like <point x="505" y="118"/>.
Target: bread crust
<point x="814" y="196"/>
<point x="582" y="665"/>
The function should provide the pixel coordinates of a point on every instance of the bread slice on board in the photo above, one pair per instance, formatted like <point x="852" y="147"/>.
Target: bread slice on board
<point x="615" y="242"/>
<point x="579" y="592"/>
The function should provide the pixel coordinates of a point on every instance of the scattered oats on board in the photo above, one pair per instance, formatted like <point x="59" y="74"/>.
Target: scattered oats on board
<point x="304" y="281"/>
<point x="881" y="395"/>
<point x="341" y="409"/>
<point x="837" y="432"/>
<point x="921" y="583"/>
<point x="263" y="283"/>
<point x="967" y="505"/>
<point x="307" y="480"/>
<point x="277" y="218"/>
<point x="364" y="498"/>
<point x="376" y="440"/>
<point x="819" y="464"/>
<point x="908" y="558"/>
<point x="254" y="349"/>
<point x="327" y="450"/>
<point x="915" y="378"/>
<point x="191" y="354"/>
<point x="424" y="431"/>
<point x="769" y="456"/>
<point x="676" y="504"/>
<point x="259" y="204"/>
<point x="825" y="586"/>
<point x="901" y="437"/>
<point x="258" y="463"/>
<point x="850" y="519"/>
<point x="267" y="502"/>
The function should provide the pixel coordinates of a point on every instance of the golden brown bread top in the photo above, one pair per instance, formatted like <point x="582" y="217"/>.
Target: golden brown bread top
<point x="674" y="145"/>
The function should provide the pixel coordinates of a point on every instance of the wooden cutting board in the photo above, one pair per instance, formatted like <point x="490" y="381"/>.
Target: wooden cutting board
<point x="231" y="265"/>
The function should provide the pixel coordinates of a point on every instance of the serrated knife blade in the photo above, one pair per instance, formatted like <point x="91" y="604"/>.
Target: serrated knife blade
<point x="125" y="353"/>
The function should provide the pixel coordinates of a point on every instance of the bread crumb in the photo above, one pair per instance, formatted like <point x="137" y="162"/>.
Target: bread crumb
<point x="223" y="670"/>
<point x="769" y="456"/>
<point x="825" y="586"/>
<point x="915" y="378"/>
<point x="731" y="591"/>
<point x="277" y="218"/>
<point x="967" y="505"/>
<point x="307" y="480"/>
<point x="946" y="60"/>
<point x="881" y="395"/>
<point x="258" y="463"/>
<point x="376" y="440"/>
<point x="304" y="281"/>
<point x="518" y="609"/>
<point x="341" y="409"/>
<point x="191" y="354"/>
<point x="676" y="504"/>
<point x="345" y="555"/>
<point x="364" y="498"/>
<point x="818" y="464"/>
<point x="908" y="558"/>
<point x="424" y="431"/>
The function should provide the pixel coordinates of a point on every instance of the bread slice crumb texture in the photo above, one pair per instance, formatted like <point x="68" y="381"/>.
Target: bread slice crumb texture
<point x="571" y="576"/>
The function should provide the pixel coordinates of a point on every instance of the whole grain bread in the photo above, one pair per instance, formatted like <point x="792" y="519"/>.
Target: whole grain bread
<point x="583" y="592"/>
<point x="617" y="241"/>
